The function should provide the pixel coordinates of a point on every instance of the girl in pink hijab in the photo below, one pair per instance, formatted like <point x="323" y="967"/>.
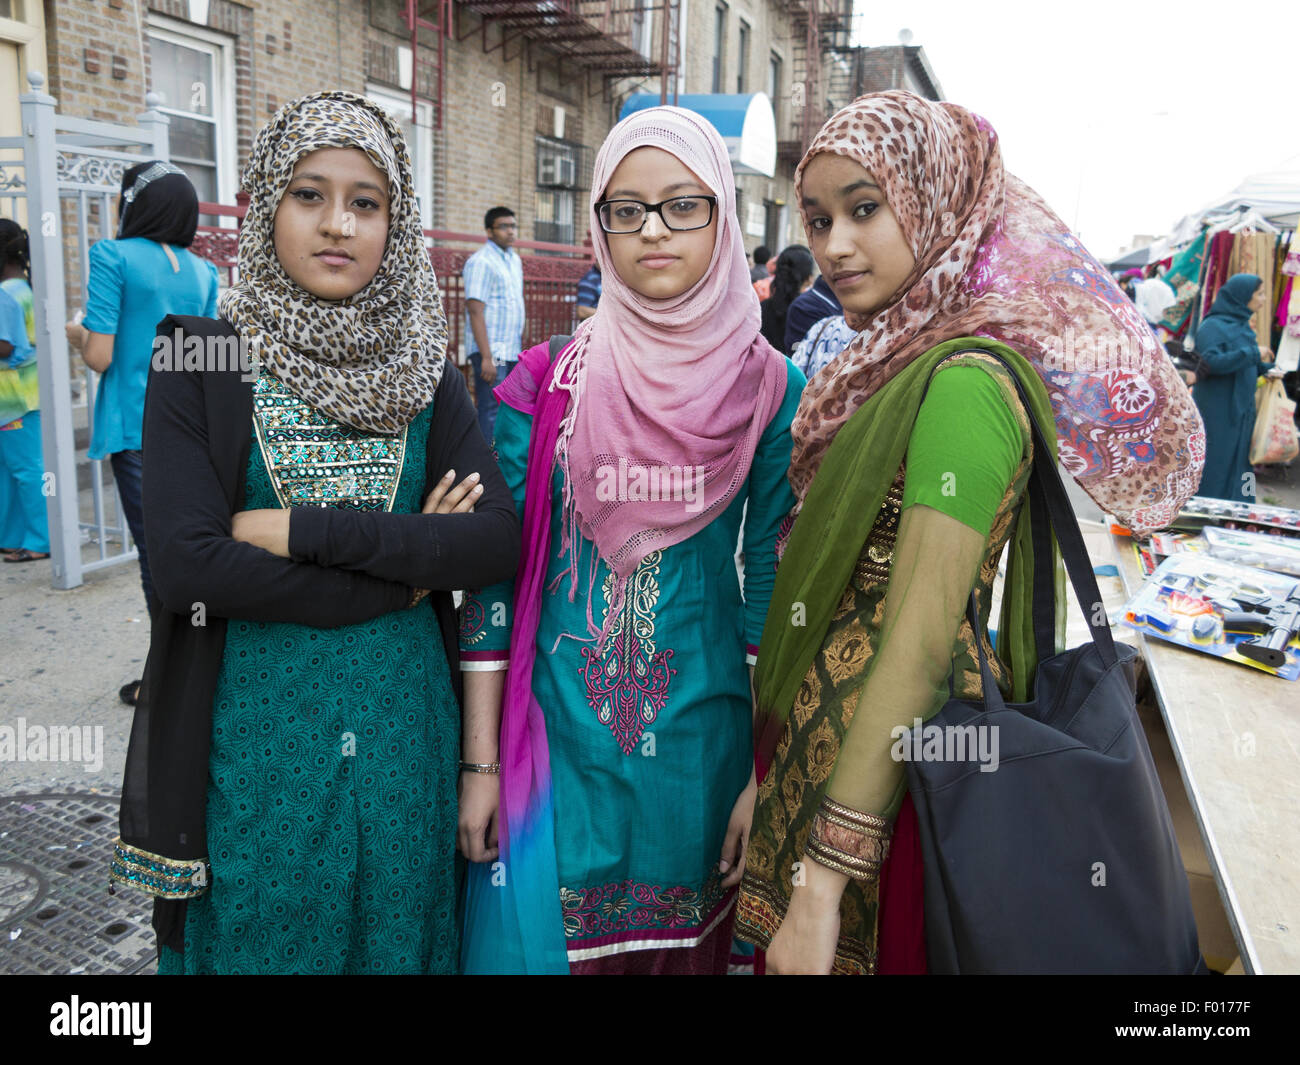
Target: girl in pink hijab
<point x="609" y="780"/>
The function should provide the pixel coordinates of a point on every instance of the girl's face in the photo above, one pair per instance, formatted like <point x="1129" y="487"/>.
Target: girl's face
<point x="659" y="263"/>
<point x="331" y="227"/>
<point x="855" y="238"/>
<point x="1257" y="300"/>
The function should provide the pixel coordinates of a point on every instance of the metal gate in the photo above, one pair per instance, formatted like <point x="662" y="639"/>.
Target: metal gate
<point x="66" y="173"/>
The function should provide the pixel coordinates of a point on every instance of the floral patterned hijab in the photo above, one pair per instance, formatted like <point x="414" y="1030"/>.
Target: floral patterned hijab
<point x="372" y="361"/>
<point x="993" y="260"/>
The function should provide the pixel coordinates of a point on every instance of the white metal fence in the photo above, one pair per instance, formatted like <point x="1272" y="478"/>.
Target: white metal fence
<point x="61" y="179"/>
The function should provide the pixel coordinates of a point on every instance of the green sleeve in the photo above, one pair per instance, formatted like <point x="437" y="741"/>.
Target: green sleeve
<point x="965" y="447"/>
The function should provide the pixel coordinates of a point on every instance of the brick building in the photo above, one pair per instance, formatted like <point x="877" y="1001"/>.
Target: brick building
<point x="511" y="98"/>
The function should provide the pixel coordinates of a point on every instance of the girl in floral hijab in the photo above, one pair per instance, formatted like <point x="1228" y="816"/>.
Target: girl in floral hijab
<point x="912" y="449"/>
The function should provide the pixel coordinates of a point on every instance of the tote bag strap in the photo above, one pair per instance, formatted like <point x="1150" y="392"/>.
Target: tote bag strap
<point x="1052" y="513"/>
<point x="1048" y="516"/>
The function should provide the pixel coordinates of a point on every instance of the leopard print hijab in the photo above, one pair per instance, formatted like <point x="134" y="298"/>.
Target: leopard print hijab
<point x="372" y="361"/>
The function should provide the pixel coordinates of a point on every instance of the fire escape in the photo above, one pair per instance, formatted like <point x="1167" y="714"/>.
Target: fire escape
<point x="606" y="39"/>
<point x="819" y="33"/>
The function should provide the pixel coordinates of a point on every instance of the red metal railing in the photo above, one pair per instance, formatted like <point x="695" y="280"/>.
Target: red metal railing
<point x="550" y="278"/>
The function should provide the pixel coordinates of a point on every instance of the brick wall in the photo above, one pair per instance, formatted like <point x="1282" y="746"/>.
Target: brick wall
<point x="493" y="106"/>
<point x="93" y="56"/>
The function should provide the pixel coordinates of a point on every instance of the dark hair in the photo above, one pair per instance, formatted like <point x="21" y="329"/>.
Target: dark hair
<point x="761" y="255"/>
<point x="490" y="219"/>
<point x="794" y="266"/>
<point x="14" y="247"/>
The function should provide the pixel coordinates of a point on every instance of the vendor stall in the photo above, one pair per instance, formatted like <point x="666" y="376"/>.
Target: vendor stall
<point x="1220" y="635"/>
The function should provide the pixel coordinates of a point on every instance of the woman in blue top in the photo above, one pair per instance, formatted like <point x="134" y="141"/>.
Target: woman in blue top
<point x="23" y="525"/>
<point x="136" y="281"/>
<point x="1231" y="359"/>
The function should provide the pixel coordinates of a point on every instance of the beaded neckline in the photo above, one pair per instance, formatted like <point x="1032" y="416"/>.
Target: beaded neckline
<point x="314" y="461"/>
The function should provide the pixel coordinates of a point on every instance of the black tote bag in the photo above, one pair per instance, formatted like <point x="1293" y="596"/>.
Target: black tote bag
<point x="1063" y="859"/>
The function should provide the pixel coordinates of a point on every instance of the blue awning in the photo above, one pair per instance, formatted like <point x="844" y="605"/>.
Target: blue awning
<point x="745" y="120"/>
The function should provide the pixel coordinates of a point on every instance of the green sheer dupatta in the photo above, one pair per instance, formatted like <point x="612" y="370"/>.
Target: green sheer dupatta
<point x="840" y="509"/>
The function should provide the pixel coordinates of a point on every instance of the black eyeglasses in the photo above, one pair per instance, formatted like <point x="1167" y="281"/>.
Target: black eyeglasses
<point x="681" y="213"/>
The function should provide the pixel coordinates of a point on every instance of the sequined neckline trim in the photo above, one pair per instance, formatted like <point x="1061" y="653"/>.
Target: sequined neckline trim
<point x="314" y="461"/>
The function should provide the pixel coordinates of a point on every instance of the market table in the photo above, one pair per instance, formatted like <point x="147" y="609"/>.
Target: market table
<point x="1235" y="733"/>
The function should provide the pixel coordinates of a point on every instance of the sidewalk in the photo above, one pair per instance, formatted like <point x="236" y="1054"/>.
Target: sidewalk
<point x="65" y="654"/>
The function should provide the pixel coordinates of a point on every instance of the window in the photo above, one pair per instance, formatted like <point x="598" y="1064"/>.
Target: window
<point x="419" y="142"/>
<point x="562" y="169"/>
<point x="191" y="73"/>
<point x="642" y="29"/>
<point x="719" y="44"/>
<point x="774" y="85"/>
<point x="742" y="56"/>
<point x="12" y="9"/>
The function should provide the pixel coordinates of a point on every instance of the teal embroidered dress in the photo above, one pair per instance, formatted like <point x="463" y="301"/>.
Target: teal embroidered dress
<point x="331" y="807"/>
<point x="651" y="741"/>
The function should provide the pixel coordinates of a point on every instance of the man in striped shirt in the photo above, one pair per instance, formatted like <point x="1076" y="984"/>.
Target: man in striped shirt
<point x="494" y="311"/>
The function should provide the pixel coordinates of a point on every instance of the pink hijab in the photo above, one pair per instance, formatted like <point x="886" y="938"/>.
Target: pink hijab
<point x="686" y="382"/>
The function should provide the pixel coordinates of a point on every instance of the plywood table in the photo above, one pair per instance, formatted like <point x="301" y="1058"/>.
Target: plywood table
<point x="1235" y="733"/>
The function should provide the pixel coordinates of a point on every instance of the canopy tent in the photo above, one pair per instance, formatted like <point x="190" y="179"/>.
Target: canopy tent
<point x="1272" y="194"/>
<point x="1131" y="259"/>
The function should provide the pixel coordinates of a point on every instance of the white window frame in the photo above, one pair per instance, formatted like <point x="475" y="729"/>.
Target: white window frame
<point x="222" y="50"/>
<point x="399" y="106"/>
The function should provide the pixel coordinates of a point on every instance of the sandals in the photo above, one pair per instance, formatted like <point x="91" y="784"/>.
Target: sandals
<point x="23" y="555"/>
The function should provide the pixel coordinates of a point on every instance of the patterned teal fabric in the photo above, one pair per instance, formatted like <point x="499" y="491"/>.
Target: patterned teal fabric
<point x="332" y="791"/>
<point x="650" y="741"/>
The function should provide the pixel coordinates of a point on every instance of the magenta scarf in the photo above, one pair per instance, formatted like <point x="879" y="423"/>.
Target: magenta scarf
<point x="686" y="382"/>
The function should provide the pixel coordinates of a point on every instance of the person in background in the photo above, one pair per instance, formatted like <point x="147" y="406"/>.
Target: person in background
<point x="136" y="280"/>
<point x="1230" y="361"/>
<point x="794" y="274"/>
<point x="494" y="311"/>
<point x="589" y="293"/>
<point x="759" y="270"/>
<point x="809" y="307"/>
<point x="1153" y="298"/>
<point x="824" y="341"/>
<point x="24" y="529"/>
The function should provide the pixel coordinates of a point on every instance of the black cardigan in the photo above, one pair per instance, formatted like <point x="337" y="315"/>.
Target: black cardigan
<point x="347" y="567"/>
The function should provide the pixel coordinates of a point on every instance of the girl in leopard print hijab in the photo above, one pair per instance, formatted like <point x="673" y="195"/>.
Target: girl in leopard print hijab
<point x="371" y="360"/>
<point x="290" y="798"/>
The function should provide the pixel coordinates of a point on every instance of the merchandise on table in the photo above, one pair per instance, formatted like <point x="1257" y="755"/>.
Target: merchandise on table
<point x="1281" y="554"/>
<point x="1200" y="511"/>
<point x="1220" y="608"/>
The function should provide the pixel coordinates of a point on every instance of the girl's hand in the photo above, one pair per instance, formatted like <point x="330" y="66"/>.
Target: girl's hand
<point x="736" y="842"/>
<point x="805" y="942"/>
<point x="76" y="334"/>
<point x="444" y="499"/>
<point x="1265" y="354"/>
<point x="267" y="529"/>
<point x="476" y="834"/>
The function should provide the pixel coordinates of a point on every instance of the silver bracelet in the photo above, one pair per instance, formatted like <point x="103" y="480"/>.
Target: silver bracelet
<point x="480" y="767"/>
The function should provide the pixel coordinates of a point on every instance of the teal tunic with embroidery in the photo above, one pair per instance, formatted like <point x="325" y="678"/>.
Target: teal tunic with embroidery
<point x="331" y="806"/>
<point x="650" y="741"/>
